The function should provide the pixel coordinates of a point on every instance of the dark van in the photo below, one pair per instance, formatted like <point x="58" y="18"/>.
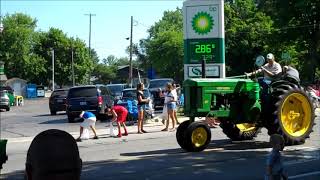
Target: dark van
<point x="88" y="98"/>
<point x="57" y="101"/>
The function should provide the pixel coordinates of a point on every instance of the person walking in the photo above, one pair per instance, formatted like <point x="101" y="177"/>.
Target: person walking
<point x="119" y="114"/>
<point x="89" y="121"/>
<point x="275" y="169"/>
<point x="142" y="101"/>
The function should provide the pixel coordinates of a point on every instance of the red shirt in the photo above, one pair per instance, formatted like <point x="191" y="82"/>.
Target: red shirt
<point x="119" y="109"/>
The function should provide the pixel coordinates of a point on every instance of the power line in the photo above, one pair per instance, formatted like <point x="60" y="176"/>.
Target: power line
<point x="282" y="29"/>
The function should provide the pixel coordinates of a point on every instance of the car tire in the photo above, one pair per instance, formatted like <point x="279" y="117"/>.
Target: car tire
<point x="71" y="119"/>
<point x="8" y="108"/>
<point x="53" y="112"/>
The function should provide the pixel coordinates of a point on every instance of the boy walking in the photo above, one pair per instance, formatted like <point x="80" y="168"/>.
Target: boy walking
<point x="275" y="169"/>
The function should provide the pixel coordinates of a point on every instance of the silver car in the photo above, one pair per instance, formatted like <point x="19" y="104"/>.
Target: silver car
<point x="4" y="101"/>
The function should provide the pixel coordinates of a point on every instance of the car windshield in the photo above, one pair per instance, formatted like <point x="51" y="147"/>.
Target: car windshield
<point x="133" y="94"/>
<point x="82" y="92"/>
<point x="62" y="93"/>
<point x="158" y="83"/>
<point x="115" y="89"/>
<point x="7" y="88"/>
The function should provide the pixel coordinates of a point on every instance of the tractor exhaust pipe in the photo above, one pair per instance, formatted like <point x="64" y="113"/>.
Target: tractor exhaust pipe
<point x="203" y="68"/>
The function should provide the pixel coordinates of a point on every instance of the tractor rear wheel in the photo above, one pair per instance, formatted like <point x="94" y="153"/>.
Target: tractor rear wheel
<point x="239" y="132"/>
<point x="197" y="137"/>
<point x="293" y="115"/>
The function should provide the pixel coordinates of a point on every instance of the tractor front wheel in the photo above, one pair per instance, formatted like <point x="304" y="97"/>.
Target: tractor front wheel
<point x="194" y="137"/>
<point x="181" y="134"/>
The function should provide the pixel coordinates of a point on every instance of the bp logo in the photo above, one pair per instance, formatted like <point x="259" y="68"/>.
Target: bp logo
<point x="202" y="23"/>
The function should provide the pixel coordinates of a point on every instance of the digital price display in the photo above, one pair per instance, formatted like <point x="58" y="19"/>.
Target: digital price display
<point x="202" y="50"/>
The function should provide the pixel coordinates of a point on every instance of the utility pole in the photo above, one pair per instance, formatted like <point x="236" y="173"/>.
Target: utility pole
<point x="1" y="25"/>
<point x="52" y="52"/>
<point x="90" y="15"/>
<point x="73" y="81"/>
<point x="130" y="68"/>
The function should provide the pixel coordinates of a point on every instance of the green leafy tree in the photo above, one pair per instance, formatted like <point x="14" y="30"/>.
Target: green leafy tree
<point x="63" y="46"/>
<point x="17" y="43"/>
<point x="104" y="74"/>
<point x="299" y="28"/>
<point x="110" y="60"/>
<point x="27" y="53"/>
<point x="164" y="46"/>
<point x="248" y="34"/>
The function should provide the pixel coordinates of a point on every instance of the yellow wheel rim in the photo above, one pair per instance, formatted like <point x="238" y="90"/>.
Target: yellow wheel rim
<point x="295" y="114"/>
<point x="199" y="137"/>
<point x="245" y="127"/>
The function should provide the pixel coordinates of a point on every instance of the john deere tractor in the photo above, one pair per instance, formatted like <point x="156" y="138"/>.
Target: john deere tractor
<point x="244" y="107"/>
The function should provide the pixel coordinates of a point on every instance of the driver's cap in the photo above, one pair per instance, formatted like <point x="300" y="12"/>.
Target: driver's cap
<point x="270" y="56"/>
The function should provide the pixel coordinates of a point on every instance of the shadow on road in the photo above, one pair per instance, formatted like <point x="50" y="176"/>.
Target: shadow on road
<point x="164" y="164"/>
<point x="45" y="115"/>
<point x="213" y="163"/>
<point x="55" y="121"/>
<point x="225" y="144"/>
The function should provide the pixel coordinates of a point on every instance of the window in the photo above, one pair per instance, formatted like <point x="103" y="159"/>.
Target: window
<point x="62" y="93"/>
<point x="83" y="92"/>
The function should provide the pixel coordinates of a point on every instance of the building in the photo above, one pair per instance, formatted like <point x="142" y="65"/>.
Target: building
<point x="123" y="74"/>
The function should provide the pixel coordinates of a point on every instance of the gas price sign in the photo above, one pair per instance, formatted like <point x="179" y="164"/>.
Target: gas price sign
<point x="202" y="49"/>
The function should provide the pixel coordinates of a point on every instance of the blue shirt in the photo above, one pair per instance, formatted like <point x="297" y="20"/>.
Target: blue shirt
<point x="88" y="115"/>
<point x="275" y="161"/>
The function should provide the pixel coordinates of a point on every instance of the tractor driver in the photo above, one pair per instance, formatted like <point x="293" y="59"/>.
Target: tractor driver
<point x="270" y="70"/>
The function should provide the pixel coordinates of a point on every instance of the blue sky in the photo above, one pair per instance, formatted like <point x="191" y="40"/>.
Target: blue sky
<point x="110" y="26"/>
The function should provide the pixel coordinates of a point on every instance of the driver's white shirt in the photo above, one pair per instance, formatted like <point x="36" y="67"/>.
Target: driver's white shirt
<point x="275" y="68"/>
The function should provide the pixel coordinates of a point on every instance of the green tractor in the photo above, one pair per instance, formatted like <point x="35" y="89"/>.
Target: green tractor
<point x="244" y="107"/>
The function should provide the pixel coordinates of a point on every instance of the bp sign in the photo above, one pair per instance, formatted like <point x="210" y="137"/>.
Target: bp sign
<point x="204" y="35"/>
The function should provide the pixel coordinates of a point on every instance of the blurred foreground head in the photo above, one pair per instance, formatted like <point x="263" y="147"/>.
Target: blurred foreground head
<point x="53" y="155"/>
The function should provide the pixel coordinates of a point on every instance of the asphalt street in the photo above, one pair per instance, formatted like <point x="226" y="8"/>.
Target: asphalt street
<point x="154" y="155"/>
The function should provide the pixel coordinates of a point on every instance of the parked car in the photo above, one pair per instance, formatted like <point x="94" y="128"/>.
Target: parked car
<point x="93" y="98"/>
<point x="116" y="90"/>
<point x="58" y="101"/>
<point x="4" y="101"/>
<point x="154" y="86"/>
